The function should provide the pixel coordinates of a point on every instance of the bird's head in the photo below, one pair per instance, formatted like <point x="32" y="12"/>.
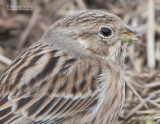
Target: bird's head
<point x="93" y="33"/>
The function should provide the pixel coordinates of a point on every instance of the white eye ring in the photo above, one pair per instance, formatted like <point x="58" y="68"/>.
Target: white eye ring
<point x="105" y="32"/>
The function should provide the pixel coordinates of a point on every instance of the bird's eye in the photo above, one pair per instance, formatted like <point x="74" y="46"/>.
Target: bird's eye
<point x="106" y="32"/>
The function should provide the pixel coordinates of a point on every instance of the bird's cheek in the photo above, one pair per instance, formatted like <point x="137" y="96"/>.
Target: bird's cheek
<point x="83" y="43"/>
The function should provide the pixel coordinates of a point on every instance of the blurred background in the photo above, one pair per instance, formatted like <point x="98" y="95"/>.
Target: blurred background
<point x="22" y="22"/>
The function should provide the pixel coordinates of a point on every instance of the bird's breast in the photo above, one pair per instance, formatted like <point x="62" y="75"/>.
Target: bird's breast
<point x="111" y="98"/>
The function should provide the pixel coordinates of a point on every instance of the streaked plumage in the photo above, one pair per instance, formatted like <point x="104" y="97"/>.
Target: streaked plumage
<point x="72" y="75"/>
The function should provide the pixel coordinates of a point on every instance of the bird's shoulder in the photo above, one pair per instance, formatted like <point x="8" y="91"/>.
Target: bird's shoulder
<point x="41" y="63"/>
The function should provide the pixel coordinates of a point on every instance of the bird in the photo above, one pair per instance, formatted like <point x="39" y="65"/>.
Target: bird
<point x="75" y="74"/>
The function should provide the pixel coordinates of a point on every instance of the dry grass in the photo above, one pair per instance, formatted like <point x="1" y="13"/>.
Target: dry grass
<point x="19" y="29"/>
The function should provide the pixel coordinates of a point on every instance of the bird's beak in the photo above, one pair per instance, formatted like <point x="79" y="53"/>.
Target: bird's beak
<point x="129" y="34"/>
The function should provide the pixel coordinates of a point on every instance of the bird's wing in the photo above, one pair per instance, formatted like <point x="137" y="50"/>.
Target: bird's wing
<point x="45" y="83"/>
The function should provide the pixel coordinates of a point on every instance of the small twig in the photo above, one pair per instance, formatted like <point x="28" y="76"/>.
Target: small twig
<point x="28" y="28"/>
<point x="135" y="109"/>
<point x="14" y="3"/>
<point x="81" y="4"/>
<point x="153" y="84"/>
<point x="151" y="35"/>
<point x="156" y="100"/>
<point x="154" y="103"/>
<point x="135" y="83"/>
<point x="5" y="60"/>
<point x="146" y="112"/>
<point x="135" y="92"/>
<point x="43" y="26"/>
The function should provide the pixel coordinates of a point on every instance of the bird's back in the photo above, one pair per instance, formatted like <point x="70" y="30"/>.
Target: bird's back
<point x="45" y="84"/>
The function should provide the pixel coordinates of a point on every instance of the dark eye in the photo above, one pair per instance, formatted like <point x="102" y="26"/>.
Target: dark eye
<point x="106" y="32"/>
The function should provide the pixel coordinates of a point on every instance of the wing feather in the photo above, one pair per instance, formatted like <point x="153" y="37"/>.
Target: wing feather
<point x="36" y="107"/>
<point x="45" y="84"/>
<point x="47" y="109"/>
